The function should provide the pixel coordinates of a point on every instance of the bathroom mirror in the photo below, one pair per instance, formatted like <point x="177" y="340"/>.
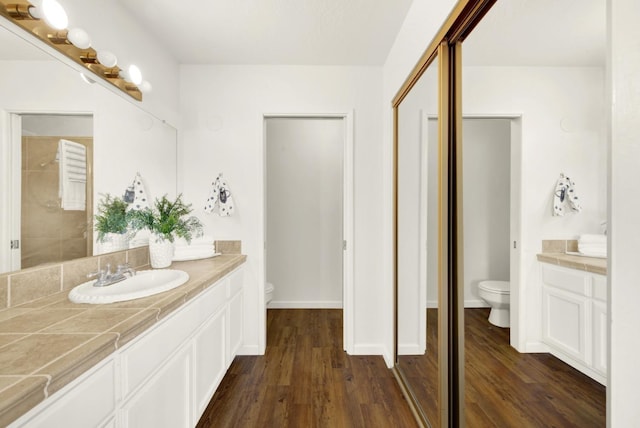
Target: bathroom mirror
<point x="419" y="357"/>
<point x="126" y="139"/>
<point x="533" y="87"/>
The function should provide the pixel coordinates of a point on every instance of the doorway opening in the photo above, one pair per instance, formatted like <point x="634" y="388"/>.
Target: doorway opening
<point x="308" y="214"/>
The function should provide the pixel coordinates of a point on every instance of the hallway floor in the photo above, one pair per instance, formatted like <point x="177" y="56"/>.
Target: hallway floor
<point x="306" y="380"/>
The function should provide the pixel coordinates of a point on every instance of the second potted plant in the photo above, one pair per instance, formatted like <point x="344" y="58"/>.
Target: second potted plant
<point x="166" y="220"/>
<point x="112" y="224"/>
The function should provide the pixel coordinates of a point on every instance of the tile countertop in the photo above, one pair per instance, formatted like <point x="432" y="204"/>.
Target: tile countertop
<point x="47" y="343"/>
<point x="589" y="264"/>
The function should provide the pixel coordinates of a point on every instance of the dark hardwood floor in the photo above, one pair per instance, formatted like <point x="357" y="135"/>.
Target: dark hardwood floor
<point x="504" y="388"/>
<point x="306" y="380"/>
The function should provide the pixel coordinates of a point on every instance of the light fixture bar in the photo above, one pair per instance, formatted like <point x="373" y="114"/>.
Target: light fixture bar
<point x="17" y="12"/>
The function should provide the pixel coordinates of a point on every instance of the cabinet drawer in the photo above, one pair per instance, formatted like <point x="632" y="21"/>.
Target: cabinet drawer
<point x="600" y="287"/>
<point x="144" y="356"/>
<point x="87" y="403"/>
<point x="566" y="279"/>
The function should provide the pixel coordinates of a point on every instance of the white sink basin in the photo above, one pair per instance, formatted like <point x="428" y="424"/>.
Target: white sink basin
<point x="144" y="283"/>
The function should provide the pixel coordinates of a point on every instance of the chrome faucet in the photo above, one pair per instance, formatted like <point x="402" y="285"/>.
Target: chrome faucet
<point x="105" y="277"/>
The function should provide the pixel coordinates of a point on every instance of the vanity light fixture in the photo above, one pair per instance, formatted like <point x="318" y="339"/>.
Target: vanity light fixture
<point x="135" y="75"/>
<point x="47" y="21"/>
<point x="145" y="87"/>
<point x="107" y="58"/>
<point x="79" y="38"/>
<point x="54" y="14"/>
<point x="86" y="79"/>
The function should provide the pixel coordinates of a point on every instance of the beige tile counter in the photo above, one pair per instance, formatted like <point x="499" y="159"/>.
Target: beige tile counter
<point x="588" y="264"/>
<point x="48" y="342"/>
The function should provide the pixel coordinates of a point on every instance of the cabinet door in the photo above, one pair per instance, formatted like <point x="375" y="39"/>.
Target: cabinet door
<point x="599" y="312"/>
<point x="564" y="322"/>
<point x="164" y="400"/>
<point x="209" y="351"/>
<point x="88" y="402"/>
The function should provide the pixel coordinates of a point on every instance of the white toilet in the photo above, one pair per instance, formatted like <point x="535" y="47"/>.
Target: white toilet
<point x="496" y="294"/>
<point x="268" y="293"/>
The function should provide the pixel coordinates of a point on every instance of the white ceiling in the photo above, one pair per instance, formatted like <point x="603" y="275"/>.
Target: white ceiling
<point x="301" y="32"/>
<point x="356" y="32"/>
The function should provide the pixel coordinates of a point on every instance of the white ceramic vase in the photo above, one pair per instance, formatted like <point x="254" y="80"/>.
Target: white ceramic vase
<point x="160" y="251"/>
<point x="114" y="242"/>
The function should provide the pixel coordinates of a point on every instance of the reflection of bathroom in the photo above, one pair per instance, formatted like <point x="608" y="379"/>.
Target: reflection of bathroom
<point x="50" y="231"/>
<point x="486" y="222"/>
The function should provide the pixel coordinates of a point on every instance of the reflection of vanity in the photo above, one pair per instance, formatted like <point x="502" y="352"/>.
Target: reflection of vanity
<point x="574" y="311"/>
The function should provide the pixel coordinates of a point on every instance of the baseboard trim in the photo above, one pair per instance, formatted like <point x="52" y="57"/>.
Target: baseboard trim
<point x="411" y="349"/>
<point x="249" y="350"/>
<point x="326" y="304"/>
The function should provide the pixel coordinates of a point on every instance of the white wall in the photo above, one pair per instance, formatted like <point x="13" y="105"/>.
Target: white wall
<point x="624" y="206"/>
<point x="486" y="198"/>
<point x="562" y="131"/>
<point x="304" y="211"/>
<point x="112" y="28"/>
<point x="223" y="108"/>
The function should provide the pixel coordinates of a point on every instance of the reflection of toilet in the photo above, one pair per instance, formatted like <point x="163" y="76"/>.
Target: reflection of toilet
<point x="268" y="293"/>
<point x="496" y="294"/>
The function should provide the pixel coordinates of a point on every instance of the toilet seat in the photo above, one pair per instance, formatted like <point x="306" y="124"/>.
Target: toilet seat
<point x="499" y="287"/>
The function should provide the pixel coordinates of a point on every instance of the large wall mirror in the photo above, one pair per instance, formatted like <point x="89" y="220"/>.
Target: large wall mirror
<point x="417" y="242"/>
<point x="527" y="101"/>
<point x="43" y="100"/>
<point x="533" y="102"/>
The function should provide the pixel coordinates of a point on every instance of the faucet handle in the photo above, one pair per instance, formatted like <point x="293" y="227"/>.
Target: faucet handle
<point x="97" y="274"/>
<point x="122" y="267"/>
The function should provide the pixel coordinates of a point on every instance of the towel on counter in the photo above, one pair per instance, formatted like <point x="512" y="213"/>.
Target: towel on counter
<point x="565" y="194"/>
<point x="72" y="181"/>
<point x="199" y="248"/>
<point x="220" y="200"/>
<point x="593" y="245"/>
<point x="136" y="195"/>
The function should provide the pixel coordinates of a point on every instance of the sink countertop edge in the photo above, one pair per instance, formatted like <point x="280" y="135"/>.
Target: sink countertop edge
<point x="22" y="393"/>
<point x="587" y="264"/>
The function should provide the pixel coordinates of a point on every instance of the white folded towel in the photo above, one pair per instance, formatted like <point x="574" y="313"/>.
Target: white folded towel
<point x="593" y="245"/>
<point x="592" y="239"/>
<point x="205" y="240"/>
<point x="72" y="181"/>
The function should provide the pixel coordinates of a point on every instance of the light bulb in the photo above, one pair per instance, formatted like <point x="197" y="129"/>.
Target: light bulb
<point x="86" y="79"/>
<point x="135" y="74"/>
<point x="54" y="14"/>
<point x="79" y="38"/>
<point x="108" y="59"/>
<point x="145" y="87"/>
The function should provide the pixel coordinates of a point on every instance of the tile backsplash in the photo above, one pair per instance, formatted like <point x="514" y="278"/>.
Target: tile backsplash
<point x="559" y="245"/>
<point x="33" y="283"/>
<point x="25" y="285"/>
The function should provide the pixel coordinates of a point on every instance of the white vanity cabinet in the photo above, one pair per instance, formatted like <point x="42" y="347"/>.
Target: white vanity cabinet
<point x="574" y="318"/>
<point x="165" y="377"/>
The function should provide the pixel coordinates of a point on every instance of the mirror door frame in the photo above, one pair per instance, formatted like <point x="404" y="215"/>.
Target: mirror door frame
<point x="446" y="45"/>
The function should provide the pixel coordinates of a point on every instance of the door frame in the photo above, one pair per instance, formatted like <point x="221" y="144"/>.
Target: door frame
<point x="348" y="304"/>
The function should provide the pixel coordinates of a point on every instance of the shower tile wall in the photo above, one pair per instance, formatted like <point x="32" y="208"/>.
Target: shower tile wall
<point x="49" y="233"/>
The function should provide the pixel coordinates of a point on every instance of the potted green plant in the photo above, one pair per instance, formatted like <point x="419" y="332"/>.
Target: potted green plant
<point x="112" y="225"/>
<point x="166" y="220"/>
